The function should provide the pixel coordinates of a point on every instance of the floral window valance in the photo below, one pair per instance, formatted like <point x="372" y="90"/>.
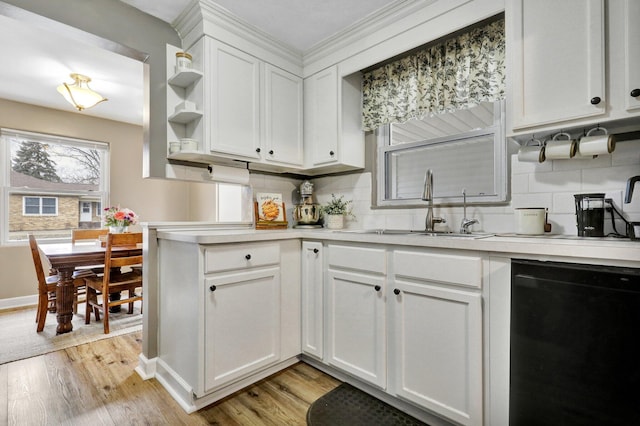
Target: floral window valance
<point x="456" y="74"/>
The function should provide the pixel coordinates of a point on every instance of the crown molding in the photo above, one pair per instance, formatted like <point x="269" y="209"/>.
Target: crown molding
<point x="364" y="28"/>
<point x="204" y="17"/>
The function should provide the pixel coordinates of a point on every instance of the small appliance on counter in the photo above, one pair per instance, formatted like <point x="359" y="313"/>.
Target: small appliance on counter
<point x="590" y="214"/>
<point x="633" y="228"/>
<point x="307" y="213"/>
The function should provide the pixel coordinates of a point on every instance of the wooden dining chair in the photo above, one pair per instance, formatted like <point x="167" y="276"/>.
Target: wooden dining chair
<point x="87" y="234"/>
<point x="47" y="286"/>
<point x="118" y="276"/>
<point x="79" y="235"/>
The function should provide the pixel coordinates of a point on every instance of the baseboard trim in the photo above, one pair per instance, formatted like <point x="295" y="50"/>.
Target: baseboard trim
<point x="18" y="302"/>
<point x="146" y="368"/>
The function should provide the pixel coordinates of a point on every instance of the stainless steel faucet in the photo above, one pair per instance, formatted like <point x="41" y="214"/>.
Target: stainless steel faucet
<point x="427" y="195"/>
<point x="466" y="223"/>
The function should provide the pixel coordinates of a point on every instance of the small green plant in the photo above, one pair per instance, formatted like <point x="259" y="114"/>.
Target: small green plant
<point x="338" y="206"/>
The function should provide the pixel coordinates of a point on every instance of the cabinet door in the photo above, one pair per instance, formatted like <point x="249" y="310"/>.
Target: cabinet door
<point x="356" y="334"/>
<point x="631" y="55"/>
<point x="283" y="116"/>
<point x="321" y="117"/>
<point x="242" y="324"/>
<point x="558" y="61"/>
<point x="438" y="339"/>
<point x="233" y="101"/>
<point x="312" y="299"/>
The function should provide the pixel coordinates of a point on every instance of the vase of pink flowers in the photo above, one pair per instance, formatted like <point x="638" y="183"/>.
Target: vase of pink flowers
<point x="118" y="219"/>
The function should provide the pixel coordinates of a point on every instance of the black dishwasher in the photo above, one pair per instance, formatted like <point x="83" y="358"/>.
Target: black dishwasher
<point x="575" y="351"/>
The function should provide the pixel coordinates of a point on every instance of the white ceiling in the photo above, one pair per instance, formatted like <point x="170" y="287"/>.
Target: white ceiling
<point x="37" y="61"/>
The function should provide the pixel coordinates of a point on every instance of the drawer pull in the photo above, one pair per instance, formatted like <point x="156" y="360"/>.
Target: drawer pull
<point x="270" y="152"/>
<point x="377" y="288"/>
<point x="258" y="150"/>
<point x="331" y="153"/>
<point x="396" y="291"/>
<point x="595" y="100"/>
<point x="635" y="93"/>
<point x="316" y="251"/>
<point x="212" y="288"/>
<point x="248" y="257"/>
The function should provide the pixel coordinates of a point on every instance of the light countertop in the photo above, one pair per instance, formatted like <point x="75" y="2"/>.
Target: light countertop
<point x="608" y="250"/>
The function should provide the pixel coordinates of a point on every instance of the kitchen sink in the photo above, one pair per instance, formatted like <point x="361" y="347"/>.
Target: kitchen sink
<point x="415" y="232"/>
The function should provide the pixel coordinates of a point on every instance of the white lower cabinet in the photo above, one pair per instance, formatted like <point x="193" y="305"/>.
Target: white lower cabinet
<point x="409" y="322"/>
<point x="229" y="315"/>
<point x="356" y="325"/>
<point x="438" y="343"/>
<point x="437" y="332"/>
<point x="242" y="324"/>
<point x="312" y="290"/>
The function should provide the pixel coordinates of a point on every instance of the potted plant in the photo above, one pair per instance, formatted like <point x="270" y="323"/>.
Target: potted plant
<point x="335" y="211"/>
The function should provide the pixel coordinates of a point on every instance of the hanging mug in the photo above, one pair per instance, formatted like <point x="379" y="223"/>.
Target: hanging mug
<point x="532" y="153"/>
<point x="557" y="149"/>
<point x="591" y="146"/>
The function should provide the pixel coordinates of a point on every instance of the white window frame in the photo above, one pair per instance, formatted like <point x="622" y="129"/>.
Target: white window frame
<point x="5" y="173"/>
<point x="500" y="153"/>
<point x="40" y="212"/>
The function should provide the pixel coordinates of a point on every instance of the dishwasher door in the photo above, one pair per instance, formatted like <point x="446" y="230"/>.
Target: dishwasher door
<point x="575" y="351"/>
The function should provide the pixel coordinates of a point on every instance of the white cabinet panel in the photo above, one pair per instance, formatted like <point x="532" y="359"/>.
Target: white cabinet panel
<point x="312" y="299"/>
<point x="242" y="324"/>
<point x="356" y="336"/>
<point x="283" y="116"/>
<point x="321" y="117"/>
<point x="438" y="334"/>
<point x="631" y="14"/>
<point x="558" y="61"/>
<point x="233" y="103"/>
<point x="221" y="258"/>
<point x="448" y="268"/>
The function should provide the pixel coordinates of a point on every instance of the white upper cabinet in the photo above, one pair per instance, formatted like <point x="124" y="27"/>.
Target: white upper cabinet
<point x="627" y="58"/>
<point x="282" y="116"/>
<point x="333" y="136"/>
<point x="321" y="117"/>
<point x="557" y="61"/>
<point x="233" y="101"/>
<point x="251" y="110"/>
<point x="558" y="56"/>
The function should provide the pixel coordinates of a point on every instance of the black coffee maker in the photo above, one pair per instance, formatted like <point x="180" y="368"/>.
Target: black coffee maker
<point x="590" y="209"/>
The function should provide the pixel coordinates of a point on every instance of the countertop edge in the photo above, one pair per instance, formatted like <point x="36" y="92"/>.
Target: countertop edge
<point x="602" y="250"/>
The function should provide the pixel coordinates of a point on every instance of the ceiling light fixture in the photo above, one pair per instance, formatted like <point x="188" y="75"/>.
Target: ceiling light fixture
<point x="79" y="94"/>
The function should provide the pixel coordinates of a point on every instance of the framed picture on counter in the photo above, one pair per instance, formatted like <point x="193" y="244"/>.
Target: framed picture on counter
<point x="270" y="211"/>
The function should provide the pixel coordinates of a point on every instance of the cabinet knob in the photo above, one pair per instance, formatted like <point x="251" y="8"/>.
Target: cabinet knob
<point x="316" y="251"/>
<point x="270" y="152"/>
<point x="635" y="93"/>
<point x="377" y="288"/>
<point x="331" y="153"/>
<point x="212" y="288"/>
<point x="396" y="291"/>
<point x="258" y="150"/>
<point x="595" y="100"/>
<point x="248" y="257"/>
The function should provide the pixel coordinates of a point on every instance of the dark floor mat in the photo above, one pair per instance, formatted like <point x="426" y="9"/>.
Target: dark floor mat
<point x="348" y="406"/>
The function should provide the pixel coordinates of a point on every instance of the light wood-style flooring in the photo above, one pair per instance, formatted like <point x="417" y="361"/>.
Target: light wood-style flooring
<point x="95" y="384"/>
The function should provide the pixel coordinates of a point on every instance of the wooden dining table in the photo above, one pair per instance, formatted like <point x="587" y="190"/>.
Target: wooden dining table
<point x="65" y="258"/>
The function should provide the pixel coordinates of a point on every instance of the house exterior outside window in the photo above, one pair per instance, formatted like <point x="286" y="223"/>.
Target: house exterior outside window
<point x="50" y="185"/>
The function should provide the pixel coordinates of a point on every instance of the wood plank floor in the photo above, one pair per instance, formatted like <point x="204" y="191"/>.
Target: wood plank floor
<point x="95" y="384"/>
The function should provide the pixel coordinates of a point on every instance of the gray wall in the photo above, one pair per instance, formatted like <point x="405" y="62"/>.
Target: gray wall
<point x="123" y="24"/>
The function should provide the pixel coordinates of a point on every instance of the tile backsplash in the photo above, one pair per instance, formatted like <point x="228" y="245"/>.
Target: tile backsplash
<point x="551" y="184"/>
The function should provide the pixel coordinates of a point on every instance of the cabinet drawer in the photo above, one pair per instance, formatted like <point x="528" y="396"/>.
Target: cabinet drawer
<point x="445" y="268"/>
<point x="360" y="258"/>
<point x="239" y="256"/>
